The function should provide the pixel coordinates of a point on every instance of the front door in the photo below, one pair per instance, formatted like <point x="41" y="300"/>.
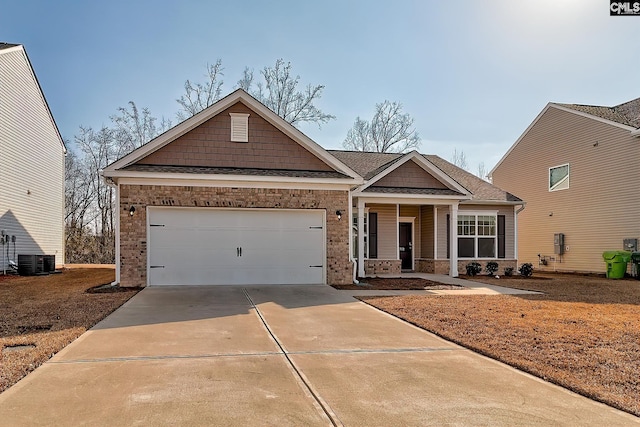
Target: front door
<point x="406" y="245"/>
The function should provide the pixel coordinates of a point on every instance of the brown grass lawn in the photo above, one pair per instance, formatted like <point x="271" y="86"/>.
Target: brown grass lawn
<point x="583" y="333"/>
<point x="48" y="312"/>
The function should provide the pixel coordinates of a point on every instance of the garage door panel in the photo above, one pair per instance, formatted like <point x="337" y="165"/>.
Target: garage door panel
<point x="201" y="246"/>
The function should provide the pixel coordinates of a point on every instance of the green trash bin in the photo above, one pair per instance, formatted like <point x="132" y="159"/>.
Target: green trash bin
<point x="616" y="263"/>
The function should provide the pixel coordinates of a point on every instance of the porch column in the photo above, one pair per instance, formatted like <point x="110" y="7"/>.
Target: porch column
<point x="117" y="231"/>
<point x="360" y="238"/>
<point x="453" y="239"/>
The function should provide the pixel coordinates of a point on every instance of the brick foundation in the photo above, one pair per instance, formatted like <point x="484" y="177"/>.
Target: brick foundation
<point x="133" y="229"/>
<point x="373" y="267"/>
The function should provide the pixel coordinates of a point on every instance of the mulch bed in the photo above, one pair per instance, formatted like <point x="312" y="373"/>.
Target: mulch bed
<point x="582" y="333"/>
<point x="40" y="315"/>
<point x="397" y="284"/>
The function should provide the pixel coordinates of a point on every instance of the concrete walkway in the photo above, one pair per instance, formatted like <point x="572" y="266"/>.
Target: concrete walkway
<point x="472" y="288"/>
<point x="279" y="355"/>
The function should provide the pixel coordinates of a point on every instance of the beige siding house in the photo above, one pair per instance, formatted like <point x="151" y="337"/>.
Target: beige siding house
<point x="236" y="195"/>
<point x="31" y="163"/>
<point x="577" y="168"/>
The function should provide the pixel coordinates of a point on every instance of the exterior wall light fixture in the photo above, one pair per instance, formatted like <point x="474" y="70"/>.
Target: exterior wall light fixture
<point x="132" y="210"/>
<point x="339" y="214"/>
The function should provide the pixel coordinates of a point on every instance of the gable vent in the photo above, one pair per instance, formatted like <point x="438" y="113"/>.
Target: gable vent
<point x="239" y="127"/>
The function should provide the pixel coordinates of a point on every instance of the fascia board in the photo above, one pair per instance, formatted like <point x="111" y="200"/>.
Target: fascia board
<point x="408" y="199"/>
<point x="230" y="183"/>
<point x="213" y="178"/>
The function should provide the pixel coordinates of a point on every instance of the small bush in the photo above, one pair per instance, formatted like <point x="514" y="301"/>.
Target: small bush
<point x="473" y="268"/>
<point x="526" y="269"/>
<point x="508" y="271"/>
<point x="491" y="268"/>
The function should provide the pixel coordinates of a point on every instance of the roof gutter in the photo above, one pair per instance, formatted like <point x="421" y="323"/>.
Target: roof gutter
<point x="636" y="133"/>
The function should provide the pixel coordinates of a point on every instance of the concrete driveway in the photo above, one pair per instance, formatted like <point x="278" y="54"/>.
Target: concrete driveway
<point x="279" y="355"/>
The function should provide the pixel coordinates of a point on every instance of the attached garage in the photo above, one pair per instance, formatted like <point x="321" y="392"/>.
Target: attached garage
<point x="224" y="246"/>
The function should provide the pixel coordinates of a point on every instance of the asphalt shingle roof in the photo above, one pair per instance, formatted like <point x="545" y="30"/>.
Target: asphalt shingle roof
<point x="369" y="165"/>
<point x="627" y="113"/>
<point x="235" y="171"/>
<point x="4" y="45"/>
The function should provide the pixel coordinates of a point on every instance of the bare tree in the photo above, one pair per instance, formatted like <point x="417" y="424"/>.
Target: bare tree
<point x="459" y="159"/>
<point x="199" y="96"/>
<point x="482" y="171"/>
<point x="133" y="128"/>
<point x="279" y="91"/>
<point x="390" y="131"/>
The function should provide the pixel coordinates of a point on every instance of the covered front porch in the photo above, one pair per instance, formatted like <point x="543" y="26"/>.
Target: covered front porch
<point x="414" y="234"/>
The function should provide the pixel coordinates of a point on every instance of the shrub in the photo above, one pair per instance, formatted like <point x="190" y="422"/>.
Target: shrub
<point x="473" y="268"/>
<point x="491" y="268"/>
<point x="526" y="269"/>
<point x="508" y="271"/>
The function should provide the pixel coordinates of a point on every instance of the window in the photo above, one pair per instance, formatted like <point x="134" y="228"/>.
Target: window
<point x="477" y="236"/>
<point x="370" y="234"/>
<point x="239" y="127"/>
<point x="559" y="177"/>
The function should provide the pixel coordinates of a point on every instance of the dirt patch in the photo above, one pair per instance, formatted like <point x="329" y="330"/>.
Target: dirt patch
<point x="398" y="284"/>
<point x="40" y="315"/>
<point x="108" y="288"/>
<point x="582" y="333"/>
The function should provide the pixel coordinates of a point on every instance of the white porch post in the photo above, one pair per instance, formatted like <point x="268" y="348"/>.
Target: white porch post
<point x="117" y="242"/>
<point x="360" y="237"/>
<point x="453" y="239"/>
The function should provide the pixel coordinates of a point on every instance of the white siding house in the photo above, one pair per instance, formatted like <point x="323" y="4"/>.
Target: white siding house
<point x="31" y="163"/>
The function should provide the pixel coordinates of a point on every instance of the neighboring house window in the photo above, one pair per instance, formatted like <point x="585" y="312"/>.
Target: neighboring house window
<point x="239" y="127"/>
<point x="559" y="177"/>
<point x="477" y="236"/>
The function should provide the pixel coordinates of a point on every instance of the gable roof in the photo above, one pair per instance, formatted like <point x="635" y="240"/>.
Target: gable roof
<point x="126" y="164"/>
<point x="7" y="48"/>
<point x="625" y="116"/>
<point x="627" y="113"/>
<point x="371" y="165"/>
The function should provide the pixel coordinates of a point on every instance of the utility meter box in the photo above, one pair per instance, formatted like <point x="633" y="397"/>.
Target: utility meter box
<point x="558" y="243"/>
<point x="630" y="245"/>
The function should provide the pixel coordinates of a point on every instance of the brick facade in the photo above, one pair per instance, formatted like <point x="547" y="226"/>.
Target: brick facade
<point x="373" y="267"/>
<point x="133" y="230"/>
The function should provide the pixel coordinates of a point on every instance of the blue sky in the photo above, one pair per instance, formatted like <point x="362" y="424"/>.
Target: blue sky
<point x="473" y="74"/>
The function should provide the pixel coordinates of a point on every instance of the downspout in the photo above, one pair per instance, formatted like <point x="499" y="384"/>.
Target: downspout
<point x="354" y="264"/>
<point x="515" y="231"/>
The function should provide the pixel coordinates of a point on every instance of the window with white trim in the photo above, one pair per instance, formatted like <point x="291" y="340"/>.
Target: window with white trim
<point x="477" y="235"/>
<point x="559" y="177"/>
<point x="365" y="232"/>
<point x="239" y="127"/>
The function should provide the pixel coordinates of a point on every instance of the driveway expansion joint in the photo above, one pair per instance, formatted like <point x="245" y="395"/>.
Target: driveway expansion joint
<point x="319" y="402"/>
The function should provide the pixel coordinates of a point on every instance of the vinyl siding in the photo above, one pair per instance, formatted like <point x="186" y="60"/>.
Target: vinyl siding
<point x="426" y="232"/>
<point x="387" y="230"/>
<point x="600" y="208"/>
<point x="409" y="175"/>
<point x="31" y="164"/>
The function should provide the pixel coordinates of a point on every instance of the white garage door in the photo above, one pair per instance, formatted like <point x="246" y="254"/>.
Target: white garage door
<point x="189" y="246"/>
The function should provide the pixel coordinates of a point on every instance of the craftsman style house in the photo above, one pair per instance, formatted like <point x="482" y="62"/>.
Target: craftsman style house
<point x="236" y="195"/>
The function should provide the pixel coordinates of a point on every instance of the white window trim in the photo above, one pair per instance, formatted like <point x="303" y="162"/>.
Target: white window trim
<point x="476" y="236"/>
<point x="239" y="127"/>
<point x="555" y="187"/>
